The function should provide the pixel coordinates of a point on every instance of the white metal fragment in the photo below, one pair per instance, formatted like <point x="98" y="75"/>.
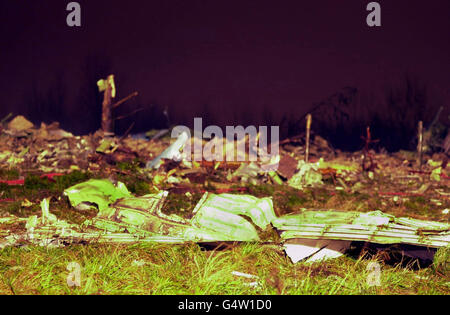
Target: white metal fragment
<point x="314" y="250"/>
<point x="245" y="275"/>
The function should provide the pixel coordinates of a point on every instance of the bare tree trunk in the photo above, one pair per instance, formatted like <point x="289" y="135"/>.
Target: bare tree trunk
<point x="107" y="121"/>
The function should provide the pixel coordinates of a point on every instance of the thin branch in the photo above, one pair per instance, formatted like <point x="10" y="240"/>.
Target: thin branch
<point x="124" y="99"/>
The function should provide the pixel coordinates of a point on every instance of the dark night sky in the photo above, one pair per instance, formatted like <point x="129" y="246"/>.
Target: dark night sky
<point x="232" y="55"/>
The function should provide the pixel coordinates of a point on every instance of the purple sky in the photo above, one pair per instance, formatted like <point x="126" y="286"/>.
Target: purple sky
<point x="233" y="55"/>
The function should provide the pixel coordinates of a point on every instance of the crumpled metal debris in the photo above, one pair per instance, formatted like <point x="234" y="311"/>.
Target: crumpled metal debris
<point x="96" y="191"/>
<point x="171" y="153"/>
<point x="221" y="210"/>
<point x="436" y="174"/>
<point x="311" y="250"/>
<point x="216" y="217"/>
<point x="340" y="167"/>
<point x="309" y="235"/>
<point x="376" y="227"/>
<point x="248" y="173"/>
<point x="106" y="146"/>
<point x="255" y="283"/>
<point x="307" y="175"/>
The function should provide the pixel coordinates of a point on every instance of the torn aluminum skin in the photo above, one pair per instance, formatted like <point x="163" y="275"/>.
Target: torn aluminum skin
<point x="375" y="227"/>
<point x="224" y="217"/>
<point x="309" y="235"/>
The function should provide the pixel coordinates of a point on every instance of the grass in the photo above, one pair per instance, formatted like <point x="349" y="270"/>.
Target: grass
<point x="165" y="269"/>
<point x="181" y="204"/>
<point x="35" y="189"/>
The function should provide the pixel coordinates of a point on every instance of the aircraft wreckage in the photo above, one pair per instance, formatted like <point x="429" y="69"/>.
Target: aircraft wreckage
<point x="309" y="235"/>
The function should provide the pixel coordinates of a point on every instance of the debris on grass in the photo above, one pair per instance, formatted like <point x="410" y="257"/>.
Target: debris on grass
<point x="307" y="175"/>
<point x="312" y="250"/>
<point x="256" y="283"/>
<point x="171" y="153"/>
<point x="96" y="191"/>
<point x="287" y="166"/>
<point x="311" y="234"/>
<point x="131" y="198"/>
